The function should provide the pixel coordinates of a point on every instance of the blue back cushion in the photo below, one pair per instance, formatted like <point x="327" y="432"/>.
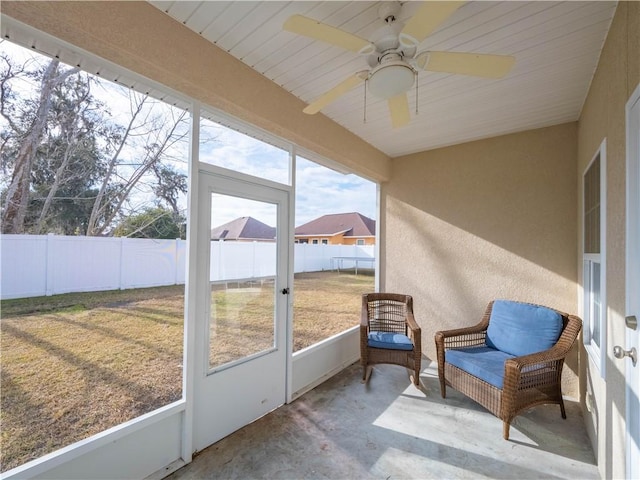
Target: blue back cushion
<point x="520" y="329"/>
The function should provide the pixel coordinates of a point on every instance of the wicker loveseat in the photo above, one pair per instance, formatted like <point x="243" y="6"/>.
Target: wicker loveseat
<point x="511" y="360"/>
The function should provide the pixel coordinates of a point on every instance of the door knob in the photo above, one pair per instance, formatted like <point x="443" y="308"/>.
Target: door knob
<point x="620" y="353"/>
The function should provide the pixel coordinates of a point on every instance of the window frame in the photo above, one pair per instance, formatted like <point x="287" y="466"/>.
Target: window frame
<point x="595" y="329"/>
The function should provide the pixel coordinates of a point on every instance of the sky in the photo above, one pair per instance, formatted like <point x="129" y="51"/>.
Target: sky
<point x="319" y="190"/>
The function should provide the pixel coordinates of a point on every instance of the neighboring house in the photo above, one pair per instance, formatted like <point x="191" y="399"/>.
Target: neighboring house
<point x="338" y="229"/>
<point x="244" y="229"/>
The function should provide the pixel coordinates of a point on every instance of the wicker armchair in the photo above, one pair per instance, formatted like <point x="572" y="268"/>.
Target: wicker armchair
<point x="389" y="333"/>
<point x="528" y="380"/>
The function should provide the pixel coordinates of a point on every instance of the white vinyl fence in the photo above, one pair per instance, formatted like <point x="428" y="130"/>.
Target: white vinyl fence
<point x="36" y="265"/>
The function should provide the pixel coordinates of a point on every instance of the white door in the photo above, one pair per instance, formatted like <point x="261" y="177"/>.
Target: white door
<point x="241" y="326"/>
<point x="632" y="369"/>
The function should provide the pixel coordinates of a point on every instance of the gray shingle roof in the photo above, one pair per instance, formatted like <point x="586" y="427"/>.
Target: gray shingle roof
<point x="354" y="224"/>
<point x="243" y="228"/>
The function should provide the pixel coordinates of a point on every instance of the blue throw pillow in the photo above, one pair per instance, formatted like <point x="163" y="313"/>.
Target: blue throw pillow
<point x="394" y="341"/>
<point x="520" y="329"/>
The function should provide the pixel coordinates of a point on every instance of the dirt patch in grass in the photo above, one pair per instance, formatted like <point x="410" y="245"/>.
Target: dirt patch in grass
<point x="74" y="365"/>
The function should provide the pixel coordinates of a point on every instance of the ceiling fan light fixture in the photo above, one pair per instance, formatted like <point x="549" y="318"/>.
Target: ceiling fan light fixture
<point x="391" y="79"/>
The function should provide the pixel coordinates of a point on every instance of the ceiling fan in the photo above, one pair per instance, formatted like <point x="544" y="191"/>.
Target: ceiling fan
<point x="393" y="56"/>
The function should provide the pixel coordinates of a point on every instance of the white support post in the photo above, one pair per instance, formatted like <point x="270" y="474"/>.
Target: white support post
<point x="189" y="362"/>
<point x="291" y="273"/>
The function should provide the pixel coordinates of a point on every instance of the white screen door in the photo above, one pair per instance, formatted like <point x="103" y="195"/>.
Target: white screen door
<point x="242" y="298"/>
<point x="632" y="372"/>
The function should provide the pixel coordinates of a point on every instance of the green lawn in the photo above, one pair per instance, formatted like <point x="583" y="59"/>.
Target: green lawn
<point x="74" y="365"/>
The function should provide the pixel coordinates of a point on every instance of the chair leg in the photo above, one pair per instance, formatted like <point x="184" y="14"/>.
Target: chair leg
<point x="443" y="387"/>
<point x="562" y="411"/>
<point x="416" y="370"/>
<point x="505" y="430"/>
<point x="366" y="373"/>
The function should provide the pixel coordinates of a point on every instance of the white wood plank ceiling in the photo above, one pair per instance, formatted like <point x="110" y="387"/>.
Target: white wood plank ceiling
<point x="556" y="44"/>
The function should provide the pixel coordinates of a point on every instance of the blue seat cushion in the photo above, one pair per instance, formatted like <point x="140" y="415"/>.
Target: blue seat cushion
<point x="393" y="341"/>
<point x="520" y="329"/>
<point x="483" y="362"/>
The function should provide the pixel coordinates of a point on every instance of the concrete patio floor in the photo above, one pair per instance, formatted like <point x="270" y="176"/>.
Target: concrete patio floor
<point x="390" y="429"/>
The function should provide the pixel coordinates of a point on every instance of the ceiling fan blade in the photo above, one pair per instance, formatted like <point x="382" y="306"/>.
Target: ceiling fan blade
<point x="426" y="20"/>
<point x="399" y="109"/>
<point x="476" y="64"/>
<point x="337" y="91"/>
<point x="320" y="31"/>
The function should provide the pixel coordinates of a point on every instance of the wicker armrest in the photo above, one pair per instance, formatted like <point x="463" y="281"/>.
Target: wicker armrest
<point x="462" y="337"/>
<point x="541" y="369"/>
<point x="415" y="333"/>
<point x="558" y="352"/>
<point x="462" y="331"/>
<point x="364" y="327"/>
<point x="538" y="358"/>
<point x="531" y="371"/>
<point x="364" y="318"/>
<point x="412" y="324"/>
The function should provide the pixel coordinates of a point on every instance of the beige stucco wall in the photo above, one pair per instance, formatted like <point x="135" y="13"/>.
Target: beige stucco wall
<point x="603" y="117"/>
<point x="145" y="40"/>
<point x="489" y="219"/>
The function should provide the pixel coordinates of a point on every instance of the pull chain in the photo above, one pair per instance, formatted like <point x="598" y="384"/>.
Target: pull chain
<point x="364" y="120"/>
<point x="416" y="77"/>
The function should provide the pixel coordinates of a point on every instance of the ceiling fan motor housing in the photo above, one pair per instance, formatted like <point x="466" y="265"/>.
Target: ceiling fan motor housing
<point x="389" y="11"/>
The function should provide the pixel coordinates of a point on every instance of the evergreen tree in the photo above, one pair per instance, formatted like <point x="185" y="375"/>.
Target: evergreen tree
<point x="153" y="222"/>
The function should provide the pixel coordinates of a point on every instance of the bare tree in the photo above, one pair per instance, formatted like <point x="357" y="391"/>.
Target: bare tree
<point x="17" y="196"/>
<point x="158" y="135"/>
<point x="77" y="107"/>
<point x="74" y="168"/>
